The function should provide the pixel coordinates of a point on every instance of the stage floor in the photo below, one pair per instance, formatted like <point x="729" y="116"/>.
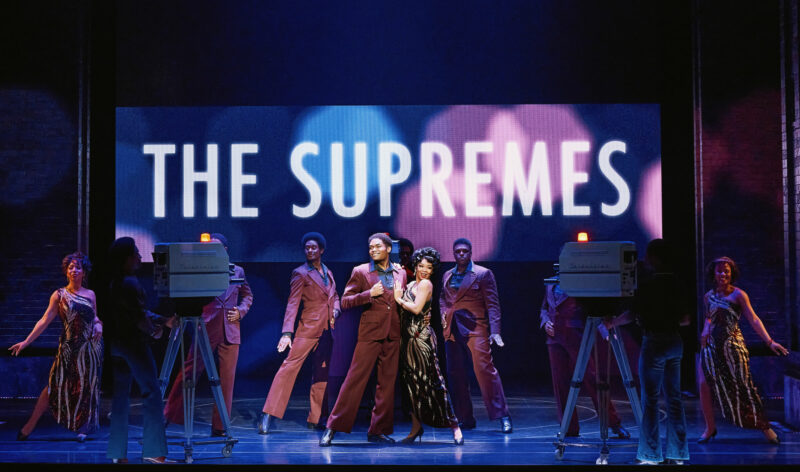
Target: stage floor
<point x="290" y="443"/>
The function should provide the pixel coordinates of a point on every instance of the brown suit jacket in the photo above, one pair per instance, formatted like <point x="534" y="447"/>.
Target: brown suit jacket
<point x="320" y="302"/>
<point x="563" y="311"/>
<point x="474" y="307"/>
<point x="217" y="323"/>
<point x="380" y="318"/>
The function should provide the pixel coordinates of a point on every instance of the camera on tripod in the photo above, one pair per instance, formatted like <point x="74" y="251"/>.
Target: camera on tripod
<point x="191" y="274"/>
<point x="599" y="275"/>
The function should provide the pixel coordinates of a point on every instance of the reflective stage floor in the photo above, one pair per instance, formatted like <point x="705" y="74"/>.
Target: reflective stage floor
<point x="291" y="443"/>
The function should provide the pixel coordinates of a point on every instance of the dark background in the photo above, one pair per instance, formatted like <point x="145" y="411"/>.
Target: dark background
<point x="66" y="68"/>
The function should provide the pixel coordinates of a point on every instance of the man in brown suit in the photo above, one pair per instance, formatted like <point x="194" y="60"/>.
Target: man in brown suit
<point x="471" y="323"/>
<point x="221" y="317"/>
<point x="563" y="320"/>
<point x="312" y="284"/>
<point x="371" y="286"/>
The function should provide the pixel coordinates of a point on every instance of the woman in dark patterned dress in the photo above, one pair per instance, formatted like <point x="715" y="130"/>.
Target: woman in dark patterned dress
<point x="724" y="356"/>
<point x="73" y="390"/>
<point x="423" y="387"/>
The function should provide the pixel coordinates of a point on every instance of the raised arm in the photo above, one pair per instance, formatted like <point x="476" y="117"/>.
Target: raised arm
<point x="424" y="292"/>
<point x="245" y="295"/>
<point x="356" y="292"/>
<point x="755" y="322"/>
<point x="41" y="325"/>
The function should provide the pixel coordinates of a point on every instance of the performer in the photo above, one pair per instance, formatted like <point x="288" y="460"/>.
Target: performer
<point x="312" y="284"/>
<point x="371" y="286"/>
<point x="129" y="328"/>
<point x="725" y="359"/>
<point x="222" y="317"/>
<point x="73" y="388"/>
<point x="563" y="321"/>
<point x="471" y="323"/>
<point x="406" y="249"/>
<point x="660" y="309"/>
<point x="423" y="387"/>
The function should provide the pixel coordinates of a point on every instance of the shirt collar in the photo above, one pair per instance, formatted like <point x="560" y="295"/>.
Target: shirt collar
<point x="374" y="267"/>
<point x="311" y="267"/>
<point x="469" y="269"/>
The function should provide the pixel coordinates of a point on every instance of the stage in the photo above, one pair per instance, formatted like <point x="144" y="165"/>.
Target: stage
<point x="290" y="443"/>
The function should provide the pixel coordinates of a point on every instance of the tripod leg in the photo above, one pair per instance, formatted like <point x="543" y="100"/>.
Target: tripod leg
<point x="188" y="390"/>
<point x="603" y="398"/>
<point x="213" y="377"/>
<point x="627" y="376"/>
<point x="175" y="339"/>
<point x="587" y="341"/>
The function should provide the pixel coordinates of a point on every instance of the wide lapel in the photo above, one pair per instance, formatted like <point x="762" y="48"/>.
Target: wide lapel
<point x="555" y="298"/>
<point x="465" y="284"/>
<point x="331" y="284"/>
<point x="314" y="274"/>
<point x="226" y="297"/>
<point x="371" y="277"/>
<point x="446" y="279"/>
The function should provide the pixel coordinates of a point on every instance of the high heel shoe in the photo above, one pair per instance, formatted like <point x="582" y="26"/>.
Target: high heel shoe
<point x="705" y="439"/>
<point x="459" y="441"/>
<point x="22" y="437"/>
<point x="773" y="440"/>
<point x="413" y="437"/>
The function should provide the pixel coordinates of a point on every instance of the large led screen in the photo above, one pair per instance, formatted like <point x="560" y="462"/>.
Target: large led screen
<point x="517" y="180"/>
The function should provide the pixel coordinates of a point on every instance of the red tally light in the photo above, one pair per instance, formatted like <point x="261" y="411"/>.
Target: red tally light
<point x="583" y="237"/>
<point x="205" y="238"/>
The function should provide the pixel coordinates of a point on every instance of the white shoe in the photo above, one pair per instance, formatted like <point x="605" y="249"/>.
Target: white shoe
<point x="646" y="462"/>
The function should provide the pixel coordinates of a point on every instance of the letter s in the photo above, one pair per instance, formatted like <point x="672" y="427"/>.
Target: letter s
<point x="314" y="190"/>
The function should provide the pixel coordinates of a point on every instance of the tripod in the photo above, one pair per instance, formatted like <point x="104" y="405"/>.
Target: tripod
<point x="196" y="325"/>
<point x="587" y="342"/>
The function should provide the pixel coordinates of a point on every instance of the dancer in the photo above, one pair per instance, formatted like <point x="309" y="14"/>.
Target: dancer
<point x="371" y="286"/>
<point x="724" y="356"/>
<point x="73" y="389"/>
<point x="423" y="386"/>
<point x="405" y="250"/>
<point x="130" y="326"/>
<point x="312" y="285"/>
<point x="222" y="317"/>
<point x="471" y="323"/>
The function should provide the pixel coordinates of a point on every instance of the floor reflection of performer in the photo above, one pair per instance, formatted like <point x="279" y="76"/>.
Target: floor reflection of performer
<point x="371" y="286"/>
<point x="312" y="284"/>
<point x="471" y="323"/>
<point x="422" y="384"/>
<point x="222" y="317"/>
<point x="563" y="321"/>
<point x="73" y="388"/>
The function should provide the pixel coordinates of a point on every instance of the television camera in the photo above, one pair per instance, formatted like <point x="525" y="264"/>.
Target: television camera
<point x="190" y="275"/>
<point x="599" y="275"/>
